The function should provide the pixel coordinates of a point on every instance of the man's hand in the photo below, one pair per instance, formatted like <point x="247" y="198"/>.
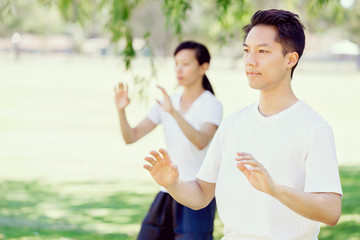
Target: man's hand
<point x="256" y="173"/>
<point x="121" y="96"/>
<point x="162" y="169"/>
<point x="324" y="207"/>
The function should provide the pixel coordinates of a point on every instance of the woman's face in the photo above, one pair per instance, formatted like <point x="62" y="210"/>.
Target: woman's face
<point x="187" y="68"/>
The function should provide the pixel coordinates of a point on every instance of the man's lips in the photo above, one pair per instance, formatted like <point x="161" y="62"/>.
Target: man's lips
<point x="251" y="73"/>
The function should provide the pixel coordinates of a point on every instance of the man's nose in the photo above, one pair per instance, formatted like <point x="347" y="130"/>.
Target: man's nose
<point x="250" y="59"/>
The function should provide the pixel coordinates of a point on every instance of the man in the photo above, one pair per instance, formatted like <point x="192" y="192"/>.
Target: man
<point x="272" y="165"/>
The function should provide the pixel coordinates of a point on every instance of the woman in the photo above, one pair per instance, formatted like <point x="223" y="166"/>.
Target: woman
<point x="190" y="120"/>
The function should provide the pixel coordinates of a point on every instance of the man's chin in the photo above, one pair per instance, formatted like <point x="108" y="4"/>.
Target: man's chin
<point x="254" y="85"/>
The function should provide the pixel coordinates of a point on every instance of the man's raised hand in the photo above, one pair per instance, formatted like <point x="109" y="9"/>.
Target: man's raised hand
<point x="161" y="168"/>
<point x="255" y="172"/>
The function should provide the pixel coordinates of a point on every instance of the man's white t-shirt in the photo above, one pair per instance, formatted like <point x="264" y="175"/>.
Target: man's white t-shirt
<point x="205" y="109"/>
<point x="297" y="148"/>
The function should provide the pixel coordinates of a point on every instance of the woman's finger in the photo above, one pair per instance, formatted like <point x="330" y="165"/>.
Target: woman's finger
<point x="162" y="90"/>
<point x="121" y="87"/>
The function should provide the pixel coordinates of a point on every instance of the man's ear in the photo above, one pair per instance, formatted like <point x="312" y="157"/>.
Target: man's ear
<point x="293" y="59"/>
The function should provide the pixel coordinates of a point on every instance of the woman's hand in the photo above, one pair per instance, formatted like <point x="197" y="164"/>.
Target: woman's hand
<point x="121" y="96"/>
<point x="166" y="105"/>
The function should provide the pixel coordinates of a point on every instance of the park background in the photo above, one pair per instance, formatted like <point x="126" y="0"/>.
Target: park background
<point x="65" y="172"/>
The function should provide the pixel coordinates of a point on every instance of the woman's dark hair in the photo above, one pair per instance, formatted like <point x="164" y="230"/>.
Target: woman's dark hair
<point x="290" y="31"/>
<point x="202" y="55"/>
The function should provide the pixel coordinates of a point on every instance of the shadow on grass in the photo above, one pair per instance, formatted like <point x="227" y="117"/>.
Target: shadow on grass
<point x="111" y="210"/>
<point x="39" y="211"/>
<point x="349" y="225"/>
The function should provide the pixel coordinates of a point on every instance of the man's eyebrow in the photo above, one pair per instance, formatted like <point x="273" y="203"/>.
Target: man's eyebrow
<point x="259" y="45"/>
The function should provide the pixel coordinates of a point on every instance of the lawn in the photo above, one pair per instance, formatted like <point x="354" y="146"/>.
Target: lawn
<point x="65" y="172"/>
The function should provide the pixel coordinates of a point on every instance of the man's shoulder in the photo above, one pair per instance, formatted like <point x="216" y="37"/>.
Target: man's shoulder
<point x="240" y="114"/>
<point x="309" y="116"/>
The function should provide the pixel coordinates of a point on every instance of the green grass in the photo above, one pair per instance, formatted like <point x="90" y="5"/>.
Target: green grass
<point x="65" y="172"/>
<point x="34" y="210"/>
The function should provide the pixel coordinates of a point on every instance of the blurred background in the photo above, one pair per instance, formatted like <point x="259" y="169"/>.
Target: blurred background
<point x="65" y="172"/>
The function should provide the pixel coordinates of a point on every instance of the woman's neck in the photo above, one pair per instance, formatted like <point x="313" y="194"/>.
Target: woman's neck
<point x="192" y="92"/>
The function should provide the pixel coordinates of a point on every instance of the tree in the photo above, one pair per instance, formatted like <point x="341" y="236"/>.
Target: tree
<point x="224" y="18"/>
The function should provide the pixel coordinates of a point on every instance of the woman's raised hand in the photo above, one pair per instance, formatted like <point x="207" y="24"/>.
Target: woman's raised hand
<point x="121" y="96"/>
<point x="166" y="105"/>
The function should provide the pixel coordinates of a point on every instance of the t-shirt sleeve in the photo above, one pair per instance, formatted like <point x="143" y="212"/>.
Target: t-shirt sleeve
<point x="321" y="169"/>
<point x="210" y="168"/>
<point x="212" y="113"/>
<point x="154" y="114"/>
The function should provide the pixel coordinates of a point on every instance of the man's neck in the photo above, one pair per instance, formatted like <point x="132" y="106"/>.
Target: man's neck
<point x="273" y="102"/>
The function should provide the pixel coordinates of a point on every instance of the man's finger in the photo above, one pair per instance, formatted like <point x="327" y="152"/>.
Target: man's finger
<point x="150" y="160"/>
<point x="249" y="162"/>
<point x="243" y="169"/>
<point x="243" y="154"/>
<point x="174" y="168"/>
<point x="240" y="158"/>
<point x="148" y="167"/>
<point x="164" y="153"/>
<point x="156" y="155"/>
<point x="255" y="169"/>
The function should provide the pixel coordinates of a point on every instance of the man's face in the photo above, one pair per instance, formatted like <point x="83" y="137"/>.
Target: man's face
<point x="265" y="64"/>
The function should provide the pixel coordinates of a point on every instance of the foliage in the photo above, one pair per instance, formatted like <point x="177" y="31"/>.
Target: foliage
<point x="225" y="18"/>
<point x="352" y="19"/>
<point x="175" y="12"/>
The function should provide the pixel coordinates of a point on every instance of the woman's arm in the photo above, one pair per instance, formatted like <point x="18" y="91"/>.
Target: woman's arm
<point x="200" y="138"/>
<point x="130" y="134"/>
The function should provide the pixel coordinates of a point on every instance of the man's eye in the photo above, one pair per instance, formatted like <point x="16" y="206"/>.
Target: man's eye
<point x="246" y="50"/>
<point x="263" y="51"/>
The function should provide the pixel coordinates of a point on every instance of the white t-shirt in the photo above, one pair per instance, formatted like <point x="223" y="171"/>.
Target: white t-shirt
<point x="205" y="109"/>
<point x="297" y="148"/>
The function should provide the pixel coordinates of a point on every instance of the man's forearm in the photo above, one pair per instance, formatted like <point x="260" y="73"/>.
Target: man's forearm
<point x="322" y="207"/>
<point x="191" y="194"/>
